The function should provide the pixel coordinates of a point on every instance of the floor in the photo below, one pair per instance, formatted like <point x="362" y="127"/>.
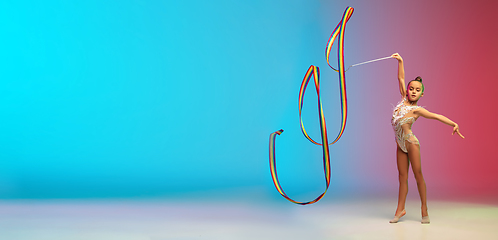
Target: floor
<point x="181" y="220"/>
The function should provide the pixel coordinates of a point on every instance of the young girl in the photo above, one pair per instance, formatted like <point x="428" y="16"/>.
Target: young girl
<point x="408" y="147"/>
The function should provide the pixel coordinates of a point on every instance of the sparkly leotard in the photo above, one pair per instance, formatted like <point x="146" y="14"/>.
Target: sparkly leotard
<point x="399" y="120"/>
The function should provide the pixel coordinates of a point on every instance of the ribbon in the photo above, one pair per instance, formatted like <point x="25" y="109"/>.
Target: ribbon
<point x="339" y="30"/>
<point x="315" y="72"/>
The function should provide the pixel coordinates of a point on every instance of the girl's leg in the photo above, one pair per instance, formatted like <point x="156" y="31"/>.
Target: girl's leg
<point x="403" y="164"/>
<point x="414" y="155"/>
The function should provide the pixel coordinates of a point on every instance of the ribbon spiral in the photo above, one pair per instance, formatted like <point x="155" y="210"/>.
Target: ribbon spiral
<point x="315" y="72"/>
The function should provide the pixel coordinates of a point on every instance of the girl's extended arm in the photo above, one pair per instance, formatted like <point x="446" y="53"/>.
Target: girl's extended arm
<point x="401" y="74"/>
<point x="424" y="113"/>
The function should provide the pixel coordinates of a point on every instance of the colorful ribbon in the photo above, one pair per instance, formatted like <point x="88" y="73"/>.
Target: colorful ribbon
<point x="314" y="71"/>
<point x="339" y="30"/>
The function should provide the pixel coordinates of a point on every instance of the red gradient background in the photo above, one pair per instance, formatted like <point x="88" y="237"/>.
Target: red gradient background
<point x="452" y="45"/>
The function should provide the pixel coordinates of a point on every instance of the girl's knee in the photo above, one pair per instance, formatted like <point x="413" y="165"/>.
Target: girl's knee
<point x="418" y="175"/>
<point x="403" y="177"/>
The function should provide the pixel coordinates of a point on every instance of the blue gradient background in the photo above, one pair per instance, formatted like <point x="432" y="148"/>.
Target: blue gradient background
<point x="168" y="98"/>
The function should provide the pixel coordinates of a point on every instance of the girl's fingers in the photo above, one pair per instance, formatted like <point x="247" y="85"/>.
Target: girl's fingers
<point x="460" y="134"/>
<point x="457" y="131"/>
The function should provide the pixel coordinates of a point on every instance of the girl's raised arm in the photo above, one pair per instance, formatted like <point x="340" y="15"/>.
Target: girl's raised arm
<point x="401" y="74"/>
<point x="424" y="113"/>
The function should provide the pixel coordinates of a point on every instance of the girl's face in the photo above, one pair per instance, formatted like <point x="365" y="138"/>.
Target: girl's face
<point x="414" y="91"/>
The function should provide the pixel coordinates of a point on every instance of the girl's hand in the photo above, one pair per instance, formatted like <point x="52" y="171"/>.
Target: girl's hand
<point x="456" y="130"/>
<point x="397" y="56"/>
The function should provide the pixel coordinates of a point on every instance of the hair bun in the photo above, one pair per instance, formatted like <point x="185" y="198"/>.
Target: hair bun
<point x="418" y="79"/>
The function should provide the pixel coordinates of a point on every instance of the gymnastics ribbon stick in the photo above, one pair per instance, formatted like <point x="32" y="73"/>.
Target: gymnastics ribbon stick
<point x="375" y="60"/>
<point x="312" y="71"/>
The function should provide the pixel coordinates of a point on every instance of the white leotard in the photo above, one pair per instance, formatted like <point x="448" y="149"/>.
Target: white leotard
<point x="399" y="120"/>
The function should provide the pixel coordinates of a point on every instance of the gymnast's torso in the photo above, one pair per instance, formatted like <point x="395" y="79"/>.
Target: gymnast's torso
<point x="402" y="120"/>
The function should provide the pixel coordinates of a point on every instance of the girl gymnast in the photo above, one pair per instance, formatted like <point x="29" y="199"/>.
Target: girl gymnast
<point x="408" y="147"/>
